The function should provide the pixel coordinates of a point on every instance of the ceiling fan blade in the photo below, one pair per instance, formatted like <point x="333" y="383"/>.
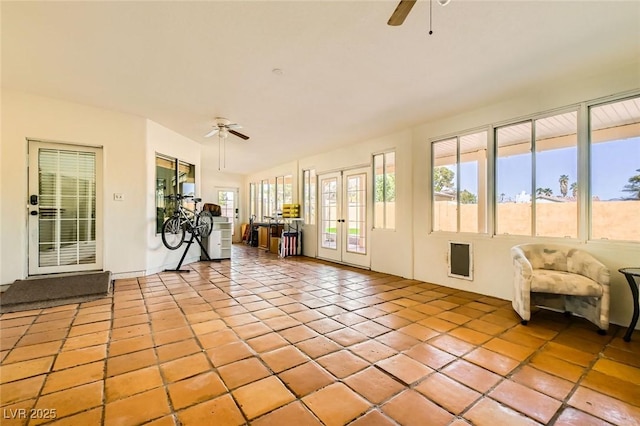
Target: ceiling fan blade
<point x="212" y="132"/>
<point x="401" y="12"/>
<point x="238" y="134"/>
<point x="233" y="126"/>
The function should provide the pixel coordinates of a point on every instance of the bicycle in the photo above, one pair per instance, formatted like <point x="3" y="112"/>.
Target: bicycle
<point x="183" y="220"/>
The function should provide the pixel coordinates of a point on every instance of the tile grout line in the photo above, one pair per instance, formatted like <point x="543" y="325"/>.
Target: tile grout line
<point x="103" y="409"/>
<point x="210" y="361"/>
<point x="273" y="373"/>
<point x="286" y="285"/>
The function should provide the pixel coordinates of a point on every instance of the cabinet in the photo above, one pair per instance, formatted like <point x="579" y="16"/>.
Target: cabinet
<point x="219" y="244"/>
<point x="263" y="237"/>
<point x="267" y="232"/>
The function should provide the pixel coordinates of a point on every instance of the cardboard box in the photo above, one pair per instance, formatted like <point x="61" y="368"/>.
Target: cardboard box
<point x="275" y="245"/>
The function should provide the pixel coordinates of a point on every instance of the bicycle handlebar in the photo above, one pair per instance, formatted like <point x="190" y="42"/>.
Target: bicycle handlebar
<point x="179" y="197"/>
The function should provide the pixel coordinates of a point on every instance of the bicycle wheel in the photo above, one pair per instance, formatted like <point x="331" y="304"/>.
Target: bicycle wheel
<point x="205" y="223"/>
<point x="172" y="233"/>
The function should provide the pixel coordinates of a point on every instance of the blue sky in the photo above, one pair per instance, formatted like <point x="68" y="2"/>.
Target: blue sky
<point x="612" y="163"/>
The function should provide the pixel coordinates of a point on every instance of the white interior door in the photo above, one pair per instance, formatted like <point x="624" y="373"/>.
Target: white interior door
<point x="65" y="208"/>
<point x="228" y="202"/>
<point x="345" y="217"/>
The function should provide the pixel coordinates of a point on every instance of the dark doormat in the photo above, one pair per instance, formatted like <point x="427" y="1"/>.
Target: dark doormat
<point x="46" y="292"/>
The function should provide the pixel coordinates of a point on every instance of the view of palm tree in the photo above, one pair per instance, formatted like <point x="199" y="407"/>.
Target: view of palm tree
<point x="544" y="191"/>
<point x="574" y="189"/>
<point x="564" y="184"/>
<point x="633" y="186"/>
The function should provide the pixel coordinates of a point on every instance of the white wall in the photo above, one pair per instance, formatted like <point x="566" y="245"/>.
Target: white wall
<point x="391" y="250"/>
<point x="160" y="140"/>
<point x="412" y="251"/>
<point x="492" y="261"/>
<point x="123" y="140"/>
<point x="214" y="179"/>
<point x="129" y="144"/>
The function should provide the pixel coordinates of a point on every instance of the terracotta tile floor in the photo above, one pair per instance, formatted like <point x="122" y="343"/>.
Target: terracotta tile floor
<point x="268" y="341"/>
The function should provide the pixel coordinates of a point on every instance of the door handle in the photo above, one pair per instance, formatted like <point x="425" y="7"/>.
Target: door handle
<point x="33" y="212"/>
<point x="33" y="200"/>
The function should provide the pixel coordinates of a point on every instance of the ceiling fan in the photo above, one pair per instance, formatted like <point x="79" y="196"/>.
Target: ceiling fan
<point x="404" y="7"/>
<point x="222" y="128"/>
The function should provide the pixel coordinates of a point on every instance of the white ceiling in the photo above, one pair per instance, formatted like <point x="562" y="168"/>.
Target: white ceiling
<point x="347" y="76"/>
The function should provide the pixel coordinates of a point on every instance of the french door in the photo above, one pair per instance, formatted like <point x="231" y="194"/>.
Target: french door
<point x="228" y="202"/>
<point x="65" y="208"/>
<point x="345" y="217"/>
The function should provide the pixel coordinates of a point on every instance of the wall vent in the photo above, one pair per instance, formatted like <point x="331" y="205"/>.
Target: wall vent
<point x="460" y="260"/>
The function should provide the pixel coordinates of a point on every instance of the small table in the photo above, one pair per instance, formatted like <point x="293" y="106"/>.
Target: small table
<point x="630" y="273"/>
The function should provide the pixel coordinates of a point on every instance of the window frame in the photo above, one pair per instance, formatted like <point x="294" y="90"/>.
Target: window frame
<point x="177" y="164"/>
<point x="484" y="184"/>
<point x="586" y="168"/>
<point x="309" y="195"/>
<point x="384" y="201"/>
<point x="584" y="172"/>
<point x="532" y="120"/>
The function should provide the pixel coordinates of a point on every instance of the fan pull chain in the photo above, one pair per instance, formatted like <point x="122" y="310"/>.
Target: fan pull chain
<point x="219" y="151"/>
<point x="430" y="16"/>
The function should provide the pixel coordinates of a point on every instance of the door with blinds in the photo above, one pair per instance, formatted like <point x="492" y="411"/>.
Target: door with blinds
<point x="345" y="217"/>
<point x="65" y="208"/>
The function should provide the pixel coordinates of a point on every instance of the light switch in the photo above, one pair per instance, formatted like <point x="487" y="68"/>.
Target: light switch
<point x="118" y="196"/>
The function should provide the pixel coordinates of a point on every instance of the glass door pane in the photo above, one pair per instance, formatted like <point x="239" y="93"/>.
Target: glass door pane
<point x="329" y="207"/>
<point x="226" y="200"/>
<point x="356" y="197"/>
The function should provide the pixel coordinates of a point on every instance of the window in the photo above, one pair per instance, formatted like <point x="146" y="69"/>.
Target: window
<point x="556" y="163"/>
<point x="615" y="170"/>
<point x="226" y="200"/>
<point x="279" y="193"/>
<point x="265" y="210"/>
<point x="309" y="196"/>
<point x="540" y="154"/>
<point x="255" y="200"/>
<point x="253" y="205"/>
<point x="284" y="191"/>
<point x="172" y="177"/>
<point x="547" y="181"/>
<point x="384" y="181"/>
<point x="459" y="183"/>
<point x="288" y="189"/>
<point x="513" y="179"/>
<point x="271" y="196"/>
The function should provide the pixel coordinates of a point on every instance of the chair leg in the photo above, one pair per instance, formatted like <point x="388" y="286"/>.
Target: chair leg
<point x="524" y="322"/>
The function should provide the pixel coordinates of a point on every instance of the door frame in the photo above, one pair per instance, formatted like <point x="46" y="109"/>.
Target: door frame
<point x="32" y="253"/>
<point x="236" y="234"/>
<point x="333" y="254"/>
<point x="341" y="254"/>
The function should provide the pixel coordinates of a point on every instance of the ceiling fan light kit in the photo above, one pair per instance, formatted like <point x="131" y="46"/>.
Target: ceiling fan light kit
<point x="223" y="128"/>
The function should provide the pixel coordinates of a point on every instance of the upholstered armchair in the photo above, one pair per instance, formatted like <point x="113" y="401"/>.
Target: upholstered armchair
<point x="561" y="278"/>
